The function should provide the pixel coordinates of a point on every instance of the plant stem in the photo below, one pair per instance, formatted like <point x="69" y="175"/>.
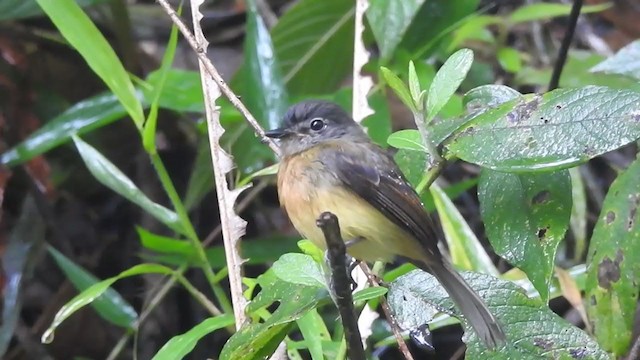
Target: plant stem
<point x="167" y="184"/>
<point x="430" y="176"/>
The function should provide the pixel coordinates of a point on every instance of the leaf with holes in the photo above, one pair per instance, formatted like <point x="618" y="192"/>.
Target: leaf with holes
<point x="613" y="272"/>
<point x="526" y="216"/>
<point x="558" y="130"/>
<point x="533" y="330"/>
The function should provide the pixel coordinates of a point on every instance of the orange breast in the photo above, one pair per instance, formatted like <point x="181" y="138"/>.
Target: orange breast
<point x="306" y="189"/>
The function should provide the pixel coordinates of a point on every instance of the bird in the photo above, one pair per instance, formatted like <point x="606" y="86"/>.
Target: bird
<point x="329" y="164"/>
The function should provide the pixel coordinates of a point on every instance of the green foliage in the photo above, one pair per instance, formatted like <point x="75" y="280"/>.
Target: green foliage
<point x="614" y="264"/>
<point x="523" y="145"/>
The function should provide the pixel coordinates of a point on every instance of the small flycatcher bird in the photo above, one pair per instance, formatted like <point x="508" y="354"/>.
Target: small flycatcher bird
<point x="330" y="164"/>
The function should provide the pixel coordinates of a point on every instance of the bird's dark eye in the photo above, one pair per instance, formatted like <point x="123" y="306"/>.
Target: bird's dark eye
<point x="317" y="124"/>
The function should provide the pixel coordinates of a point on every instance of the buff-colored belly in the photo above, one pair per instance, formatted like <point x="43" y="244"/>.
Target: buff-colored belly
<point x="305" y="199"/>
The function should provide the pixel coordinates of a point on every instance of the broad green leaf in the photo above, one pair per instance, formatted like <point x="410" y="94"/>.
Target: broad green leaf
<point x="533" y="330"/>
<point x="399" y="87"/>
<point x="313" y="42"/>
<point x="298" y="269"/>
<point x="488" y="96"/>
<point x="111" y="305"/>
<point x="544" y="11"/>
<point x="19" y="9"/>
<point x="259" y="340"/>
<point x="561" y="129"/>
<point x="412" y="163"/>
<point x="315" y="332"/>
<point x="447" y="80"/>
<point x="509" y="59"/>
<point x="20" y="247"/>
<point x="409" y="139"/>
<point x="264" y="90"/>
<point x="94" y="292"/>
<point x="465" y="248"/>
<point x="181" y="345"/>
<point x="625" y="62"/>
<point x="181" y="92"/>
<point x="83" y="117"/>
<point x="435" y="22"/>
<point x="110" y="176"/>
<point x="389" y="20"/>
<point x="526" y="217"/>
<point x="613" y="271"/>
<point x="84" y="36"/>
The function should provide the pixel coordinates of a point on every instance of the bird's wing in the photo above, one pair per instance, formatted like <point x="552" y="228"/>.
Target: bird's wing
<point x="383" y="185"/>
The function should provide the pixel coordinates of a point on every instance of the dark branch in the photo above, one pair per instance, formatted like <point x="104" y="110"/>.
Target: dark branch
<point x="337" y="254"/>
<point x="566" y="42"/>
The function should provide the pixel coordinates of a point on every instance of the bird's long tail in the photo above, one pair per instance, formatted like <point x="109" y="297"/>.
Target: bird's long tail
<point x="469" y="303"/>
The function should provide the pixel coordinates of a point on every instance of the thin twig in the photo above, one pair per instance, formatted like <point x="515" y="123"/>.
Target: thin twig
<point x="213" y="72"/>
<point x="395" y="328"/>
<point x="634" y="353"/>
<point x="233" y="227"/>
<point x="566" y="42"/>
<point x="337" y="252"/>
<point x="362" y="84"/>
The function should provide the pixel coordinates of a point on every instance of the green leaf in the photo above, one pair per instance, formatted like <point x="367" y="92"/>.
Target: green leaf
<point x="264" y="90"/>
<point x="533" y="330"/>
<point x="614" y="264"/>
<point x="299" y="269"/>
<point x="313" y="41"/>
<point x="259" y="340"/>
<point x="526" y="217"/>
<point x="407" y="139"/>
<point x="465" y="248"/>
<point x="83" y="117"/>
<point x="399" y="87"/>
<point x="181" y="91"/>
<point x="369" y="293"/>
<point x="149" y="129"/>
<point x="314" y="332"/>
<point x="561" y="129"/>
<point x="447" y="80"/>
<point x="625" y="62"/>
<point x="181" y="345"/>
<point x="544" y="11"/>
<point x="389" y="20"/>
<point x="94" y="292"/>
<point x="435" y="21"/>
<point x="488" y="96"/>
<point x="509" y="59"/>
<point x="111" y="305"/>
<point x="414" y="86"/>
<point x="110" y="176"/>
<point x="84" y="36"/>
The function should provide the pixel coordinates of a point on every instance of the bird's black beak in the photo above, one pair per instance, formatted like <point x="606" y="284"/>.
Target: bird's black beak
<point x="277" y="133"/>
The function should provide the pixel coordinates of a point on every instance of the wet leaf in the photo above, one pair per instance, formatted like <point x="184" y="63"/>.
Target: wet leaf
<point x="625" y="62"/>
<point x="94" y="292"/>
<point x="614" y="263"/>
<point x="487" y="96"/>
<point x="16" y="260"/>
<point x="526" y="217"/>
<point x="298" y="269"/>
<point x="110" y="176"/>
<point x="181" y="345"/>
<point x="259" y="340"/>
<point x="561" y="129"/>
<point x="83" y="117"/>
<point x="389" y="20"/>
<point x="84" y="36"/>
<point x="313" y="41"/>
<point x="533" y="330"/>
<point x="111" y="305"/>
<point x="265" y="94"/>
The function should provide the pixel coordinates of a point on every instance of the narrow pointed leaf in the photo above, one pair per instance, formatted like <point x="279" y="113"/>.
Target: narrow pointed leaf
<point x="181" y="345"/>
<point x="447" y="80"/>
